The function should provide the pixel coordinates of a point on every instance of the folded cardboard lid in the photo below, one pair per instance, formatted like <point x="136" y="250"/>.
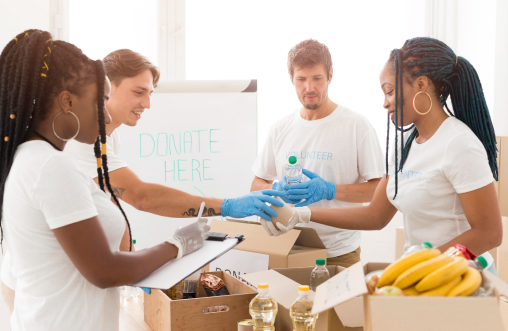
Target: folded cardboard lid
<point x="256" y="239"/>
<point x="309" y="238"/>
<point x="283" y="289"/>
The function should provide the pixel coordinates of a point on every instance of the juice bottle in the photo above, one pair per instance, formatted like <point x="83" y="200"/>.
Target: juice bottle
<point x="263" y="309"/>
<point x="300" y="311"/>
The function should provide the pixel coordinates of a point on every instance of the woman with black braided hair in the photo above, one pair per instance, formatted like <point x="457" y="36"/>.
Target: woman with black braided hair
<point x="62" y="231"/>
<point x="441" y="174"/>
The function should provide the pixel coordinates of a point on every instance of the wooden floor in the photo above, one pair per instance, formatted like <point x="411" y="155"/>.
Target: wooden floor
<point x="132" y="315"/>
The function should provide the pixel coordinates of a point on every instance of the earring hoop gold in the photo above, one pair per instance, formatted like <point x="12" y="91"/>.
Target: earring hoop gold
<point x="63" y="139"/>
<point x="414" y="106"/>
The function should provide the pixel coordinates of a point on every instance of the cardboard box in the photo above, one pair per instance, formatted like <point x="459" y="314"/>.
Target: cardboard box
<point x="299" y="247"/>
<point x="503" y="307"/>
<point x="162" y="313"/>
<point x="400" y="241"/>
<point x="502" y="164"/>
<point x="502" y="254"/>
<point x="413" y="313"/>
<point x="284" y="289"/>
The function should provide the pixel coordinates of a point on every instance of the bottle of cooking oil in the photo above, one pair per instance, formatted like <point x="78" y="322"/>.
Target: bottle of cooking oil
<point x="300" y="311"/>
<point x="263" y="309"/>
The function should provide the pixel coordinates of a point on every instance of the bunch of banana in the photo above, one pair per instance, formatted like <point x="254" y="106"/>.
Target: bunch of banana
<point x="430" y="273"/>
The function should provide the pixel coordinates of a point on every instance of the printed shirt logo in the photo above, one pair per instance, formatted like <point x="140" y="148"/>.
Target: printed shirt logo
<point x="409" y="174"/>
<point x="317" y="155"/>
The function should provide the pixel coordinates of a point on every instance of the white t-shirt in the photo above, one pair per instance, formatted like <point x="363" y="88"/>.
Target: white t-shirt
<point x="342" y="148"/>
<point x="85" y="155"/>
<point x="45" y="190"/>
<point x="451" y="162"/>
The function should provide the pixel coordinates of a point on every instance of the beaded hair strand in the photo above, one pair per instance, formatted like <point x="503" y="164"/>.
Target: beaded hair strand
<point x="101" y="76"/>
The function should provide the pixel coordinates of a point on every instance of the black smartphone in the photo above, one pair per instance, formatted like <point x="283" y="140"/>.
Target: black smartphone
<point x="217" y="236"/>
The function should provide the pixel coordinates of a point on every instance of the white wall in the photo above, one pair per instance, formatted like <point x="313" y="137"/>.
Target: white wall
<point x="20" y="15"/>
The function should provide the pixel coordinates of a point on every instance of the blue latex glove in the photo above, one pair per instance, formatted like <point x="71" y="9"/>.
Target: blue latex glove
<point x="252" y="204"/>
<point x="147" y="290"/>
<point x="283" y="186"/>
<point x="314" y="190"/>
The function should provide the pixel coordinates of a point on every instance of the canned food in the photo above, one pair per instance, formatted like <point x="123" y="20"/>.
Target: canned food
<point x="246" y="325"/>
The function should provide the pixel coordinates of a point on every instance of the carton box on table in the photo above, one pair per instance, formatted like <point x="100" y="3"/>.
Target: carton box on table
<point x="284" y="289"/>
<point x="385" y="313"/>
<point x="162" y="313"/>
<point x="299" y="247"/>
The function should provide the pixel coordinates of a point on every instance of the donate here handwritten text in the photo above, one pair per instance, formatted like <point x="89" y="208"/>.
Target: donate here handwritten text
<point x="180" y="153"/>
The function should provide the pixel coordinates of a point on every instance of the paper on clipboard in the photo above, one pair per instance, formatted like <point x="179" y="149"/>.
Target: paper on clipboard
<point x="173" y="272"/>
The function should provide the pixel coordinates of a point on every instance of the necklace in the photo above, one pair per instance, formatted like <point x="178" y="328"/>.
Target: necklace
<point x="46" y="140"/>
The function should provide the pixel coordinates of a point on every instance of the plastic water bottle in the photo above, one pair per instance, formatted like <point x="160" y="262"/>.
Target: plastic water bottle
<point x="263" y="309"/>
<point x="293" y="171"/>
<point x="319" y="275"/>
<point x="416" y="248"/>
<point x="300" y="311"/>
<point x="479" y="263"/>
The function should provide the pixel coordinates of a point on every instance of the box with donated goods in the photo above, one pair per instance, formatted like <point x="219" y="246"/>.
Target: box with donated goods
<point x="283" y="287"/>
<point x="299" y="247"/>
<point x="416" y="313"/>
<point x="162" y="313"/>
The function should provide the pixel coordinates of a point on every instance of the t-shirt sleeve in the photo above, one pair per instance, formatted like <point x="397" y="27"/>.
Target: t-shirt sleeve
<point x="466" y="164"/>
<point x="265" y="166"/>
<point x="370" y="156"/>
<point x="112" y="150"/>
<point x="63" y="192"/>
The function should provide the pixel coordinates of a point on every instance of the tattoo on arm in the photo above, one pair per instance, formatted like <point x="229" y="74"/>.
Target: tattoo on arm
<point x="118" y="191"/>
<point x="206" y="212"/>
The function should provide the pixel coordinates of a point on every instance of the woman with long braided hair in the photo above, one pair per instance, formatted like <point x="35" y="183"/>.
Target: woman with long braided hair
<point x="61" y="230"/>
<point x="443" y="166"/>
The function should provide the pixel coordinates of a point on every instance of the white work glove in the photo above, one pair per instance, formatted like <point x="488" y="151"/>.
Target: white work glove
<point x="300" y="215"/>
<point x="190" y="238"/>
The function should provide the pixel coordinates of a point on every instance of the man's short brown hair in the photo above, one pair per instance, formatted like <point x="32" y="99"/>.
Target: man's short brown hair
<point x="124" y="63"/>
<point x="309" y="53"/>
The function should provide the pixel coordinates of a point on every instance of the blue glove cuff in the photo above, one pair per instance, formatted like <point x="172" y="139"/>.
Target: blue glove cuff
<point x="224" y="208"/>
<point x="331" y="190"/>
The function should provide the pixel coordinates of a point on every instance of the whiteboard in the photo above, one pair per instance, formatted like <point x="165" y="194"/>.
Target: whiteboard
<point x="199" y="137"/>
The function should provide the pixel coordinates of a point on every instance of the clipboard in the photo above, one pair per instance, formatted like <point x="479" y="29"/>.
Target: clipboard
<point x="175" y="271"/>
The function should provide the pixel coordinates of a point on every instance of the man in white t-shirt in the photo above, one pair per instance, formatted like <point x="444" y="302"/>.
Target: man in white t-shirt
<point x="133" y="78"/>
<point x="337" y="147"/>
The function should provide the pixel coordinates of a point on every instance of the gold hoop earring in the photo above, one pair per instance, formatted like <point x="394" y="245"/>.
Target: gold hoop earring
<point x="414" y="106"/>
<point x="53" y="125"/>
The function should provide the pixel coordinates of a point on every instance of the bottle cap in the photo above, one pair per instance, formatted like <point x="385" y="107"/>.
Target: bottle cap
<point x="320" y="262"/>
<point x="292" y="159"/>
<point x="482" y="261"/>
<point x="426" y="243"/>
<point x="262" y="286"/>
<point x="303" y="288"/>
<point x="134" y="241"/>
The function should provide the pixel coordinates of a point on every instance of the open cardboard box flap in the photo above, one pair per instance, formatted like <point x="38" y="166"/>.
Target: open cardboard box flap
<point x="258" y="241"/>
<point x="341" y="288"/>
